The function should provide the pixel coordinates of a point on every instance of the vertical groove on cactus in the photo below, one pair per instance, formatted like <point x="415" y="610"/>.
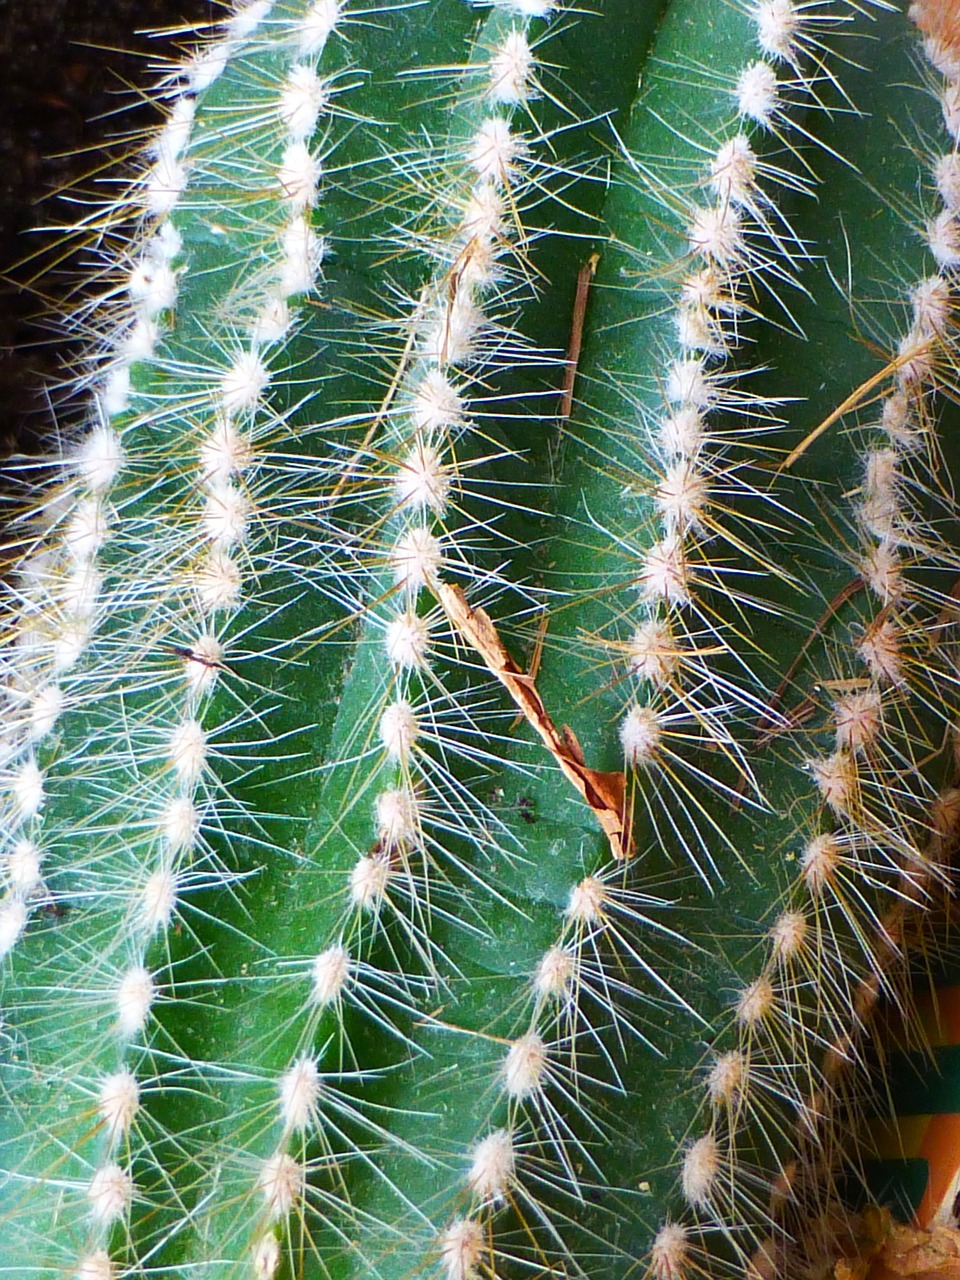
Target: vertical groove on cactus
<point x="335" y="662"/>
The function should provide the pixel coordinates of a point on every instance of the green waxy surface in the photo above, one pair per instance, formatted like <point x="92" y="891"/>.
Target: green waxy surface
<point x="560" y="512"/>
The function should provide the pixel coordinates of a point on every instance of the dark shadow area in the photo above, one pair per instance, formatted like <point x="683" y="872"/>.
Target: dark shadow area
<point x="72" y="74"/>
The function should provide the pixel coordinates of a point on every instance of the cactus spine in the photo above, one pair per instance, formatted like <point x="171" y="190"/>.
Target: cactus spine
<point x="321" y="952"/>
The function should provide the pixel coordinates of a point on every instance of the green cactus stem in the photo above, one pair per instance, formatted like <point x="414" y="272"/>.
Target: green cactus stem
<point x="452" y="829"/>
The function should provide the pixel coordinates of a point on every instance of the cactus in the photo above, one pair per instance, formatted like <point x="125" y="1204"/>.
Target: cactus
<point x="453" y="829"/>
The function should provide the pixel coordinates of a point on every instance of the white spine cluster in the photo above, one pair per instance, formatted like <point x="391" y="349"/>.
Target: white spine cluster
<point x="739" y="249"/>
<point x="453" y="337"/>
<point x="831" y="935"/>
<point x="183" y="560"/>
<point x="738" y="252"/>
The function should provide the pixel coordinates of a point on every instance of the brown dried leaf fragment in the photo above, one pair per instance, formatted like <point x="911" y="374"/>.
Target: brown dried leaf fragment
<point x="880" y="1248"/>
<point x="921" y="1254"/>
<point x="605" y="793"/>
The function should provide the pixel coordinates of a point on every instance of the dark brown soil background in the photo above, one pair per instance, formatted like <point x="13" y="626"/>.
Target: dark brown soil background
<point x="70" y="71"/>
